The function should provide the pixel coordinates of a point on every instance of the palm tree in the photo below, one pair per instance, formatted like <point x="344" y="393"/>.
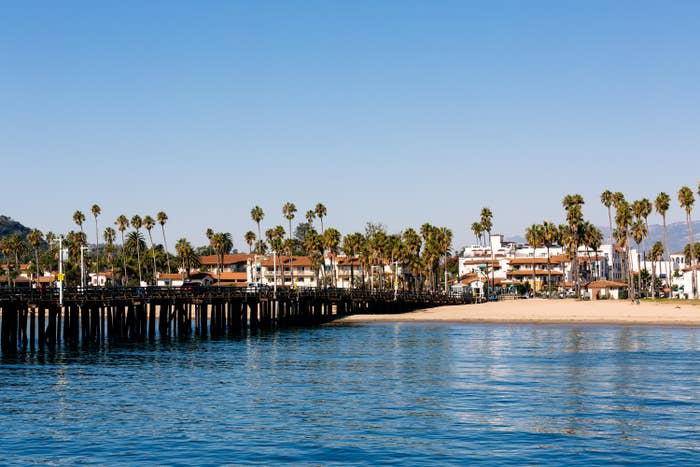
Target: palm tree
<point x="662" y="203"/>
<point x="534" y="236"/>
<point x="34" y="237"/>
<point x="639" y="231"/>
<point x="109" y="236"/>
<point x="250" y="240"/>
<point x="486" y="225"/>
<point x="257" y="215"/>
<point x="550" y="237"/>
<point x="444" y="244"/>
<point x="656" y="253"/>
<point x="641" y="209"/>
<point x="288" y="211"/>
<point x="321" y="212"/>
<point x="96" y="211"/>
<point x="477" y="229"/>
<point x="351" y="246"/>
<point x="686" y="200"/>
<point x="122" y="223"/>
<point x="574" y="217"/>
<point x="310" y="216"/>
<point x="607" y="199"/>
<point x="221" y="243"/>
<point x="331" y="241"/>
<point x="412" y="242"/>
<point x="136" y="223"/>
<point x="312" y="246"/>
<point x="162" y="218"/>
<point x="593" y="238"/>
<point x="188" y="259"/>
<point x="79" y="218"/>
<point x="623" y="219"/>
<point x="288" y="248"/>
<point x="149" y="223"/>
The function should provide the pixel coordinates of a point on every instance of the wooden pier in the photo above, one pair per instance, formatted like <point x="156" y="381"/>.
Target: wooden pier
<point x="31" y="319"/>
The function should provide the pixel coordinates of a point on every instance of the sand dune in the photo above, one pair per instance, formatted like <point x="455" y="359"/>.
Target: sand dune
<point x="676" y="313"/>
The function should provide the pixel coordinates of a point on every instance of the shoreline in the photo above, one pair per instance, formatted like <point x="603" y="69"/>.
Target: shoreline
<point x="542" y="311"/>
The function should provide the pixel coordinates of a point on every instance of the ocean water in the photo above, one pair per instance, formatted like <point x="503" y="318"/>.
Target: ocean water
<point x="416" y="394"/>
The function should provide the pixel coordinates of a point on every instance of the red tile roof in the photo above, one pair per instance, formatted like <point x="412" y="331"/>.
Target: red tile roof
<point x="211" y="260"/>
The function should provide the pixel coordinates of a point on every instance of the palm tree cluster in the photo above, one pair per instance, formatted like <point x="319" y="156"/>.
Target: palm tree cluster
<point x="631" y="223"/>
<point x="570" y="236"/>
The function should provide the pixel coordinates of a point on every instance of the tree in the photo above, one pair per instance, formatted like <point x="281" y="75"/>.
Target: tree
<point x="662" y="203"/>
<point x="188" y="259"/>
<point x="443" y="245"/>
<point x="288" y="211"/>
<point x="313" y="246"/>
<point x="686" y="200"/>
<point x="310" y="216"/>
<point x="122" y="223"/>
<point x="149" y="223"/>
<point x="257" y="215"/>
<point x="331" y="241"/>
<point x="534" y="236"/>
<point x="136" y="223"/>
<point x="162" y="218"/>
<point x="477" y="230"/>
<point x="623" y="220"/>
<point x="34" y="237"/>
<point x="79" y="218"/>
<point x="351" y="247"/>
<point x="288" y="246"/>
<point x="321" y="212"/>
<point x="550" y="237"/>
<point x="412" y="242"/>
<point x="109" y="235"/>
<point x="639" y="231"/>
<point x="249" y="238"/>
<point x="221" y="243"/>
<point x="486" y="225"/>
<point x="574" y="218"/>
<point x="592" y="238"/>
<point x="607" y="199"/>
<point x="656" y="253"/>
<point x="96" y="211"/>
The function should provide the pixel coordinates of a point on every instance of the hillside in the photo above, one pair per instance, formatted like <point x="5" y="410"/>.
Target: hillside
<point x="9" y="226"/>
<point x="677" y="235"/>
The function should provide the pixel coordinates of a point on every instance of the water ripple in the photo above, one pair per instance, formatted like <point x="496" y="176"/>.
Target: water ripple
<point x="419" y="394"/>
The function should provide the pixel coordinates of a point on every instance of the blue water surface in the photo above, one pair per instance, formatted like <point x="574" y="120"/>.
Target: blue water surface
<point x="417" y="394"/>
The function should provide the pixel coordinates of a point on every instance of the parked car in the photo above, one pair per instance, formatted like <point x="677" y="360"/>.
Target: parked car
<point x="257" y="287"/>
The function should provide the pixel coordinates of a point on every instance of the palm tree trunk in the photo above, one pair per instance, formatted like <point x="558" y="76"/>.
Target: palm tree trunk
<point x="97" y="252"/>
<point x="549" y="275"/>
<point x="665" y="256"/>
<point x="165" y="244"/>
<point x="138" y="259"/>
<point x="610" y="224"/>
<point x="126" y="277"/>
<point x="691" y="241"/>
<point x="36" y="259"/>
<point x="352" y="273"/>
<point x="153" y="251"/>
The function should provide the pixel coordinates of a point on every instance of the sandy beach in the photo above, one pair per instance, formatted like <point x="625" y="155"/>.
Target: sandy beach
<point x="537" y="311"/>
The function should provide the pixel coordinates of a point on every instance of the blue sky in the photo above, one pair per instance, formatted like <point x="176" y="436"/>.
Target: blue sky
<point x="401" y="112"/>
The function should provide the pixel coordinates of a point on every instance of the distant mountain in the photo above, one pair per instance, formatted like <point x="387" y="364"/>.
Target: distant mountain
<point x="677" y="235"/>
<point x="9" y="226"/>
